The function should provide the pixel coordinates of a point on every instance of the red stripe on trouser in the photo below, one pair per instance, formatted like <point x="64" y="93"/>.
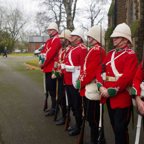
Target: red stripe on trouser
<point x="94" y="115"/>
<point x="126" y="130"/>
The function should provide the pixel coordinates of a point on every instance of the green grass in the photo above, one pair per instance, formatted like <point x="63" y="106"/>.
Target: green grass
<point x="22" y="55"/>
<point x="33" y="62"/>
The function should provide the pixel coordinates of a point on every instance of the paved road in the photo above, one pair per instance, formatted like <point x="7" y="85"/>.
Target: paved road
<point x="22" y="120"/>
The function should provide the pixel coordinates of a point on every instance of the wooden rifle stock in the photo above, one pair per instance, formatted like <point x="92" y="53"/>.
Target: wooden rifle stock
<point x="81" y="136"/>
<point x="46" y="94"/>
<point x="45" y="104"/>
<point x="84" y="119"/>
<point x="56" y="109"/>
<point x="67" y="119"/>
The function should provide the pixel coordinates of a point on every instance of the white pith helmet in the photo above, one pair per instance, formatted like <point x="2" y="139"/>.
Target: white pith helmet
<point x="97" y="33"/>
<point x="79" y="32"/>
<point x="53" y="25"/>
<point x="122" y="30"/>
<point x="66" y="34"/>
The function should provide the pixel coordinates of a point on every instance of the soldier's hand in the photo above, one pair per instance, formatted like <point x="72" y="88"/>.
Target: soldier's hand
<point x="53" y="76"/>
<point x="105" y="93"/>
<point x="140" y="105"/>
<point x="40" y="64"/>
<point x="102" y="89"/>
<point x="76" y="84"/>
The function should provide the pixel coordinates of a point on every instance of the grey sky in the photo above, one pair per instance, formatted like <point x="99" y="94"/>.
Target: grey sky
<point x="30" y="8"/>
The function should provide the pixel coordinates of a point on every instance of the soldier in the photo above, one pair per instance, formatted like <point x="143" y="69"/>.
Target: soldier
<point x="120" y="68"/>
<point x="50" y="49"/>
<point x="92" y="62"/>
<point x="58" y="73"/>
<point x="73" y="67"/>
<point x="138" y="89"/>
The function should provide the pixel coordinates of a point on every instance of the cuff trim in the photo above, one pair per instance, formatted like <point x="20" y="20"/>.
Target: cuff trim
<point x="99" y="85"/>
<point x="112" y="92"/>
<point x="78" y="84"/>
<point x="53" y="72"/>
<point x="57" y="74"/>
<point x="133" y="91"/>
<point x="42" y="61"/>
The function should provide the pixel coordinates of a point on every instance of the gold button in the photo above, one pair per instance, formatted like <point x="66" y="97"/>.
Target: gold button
<point x="108" y="72"/>
<point x="110" y="65"/>
<point x="116" y="52"/>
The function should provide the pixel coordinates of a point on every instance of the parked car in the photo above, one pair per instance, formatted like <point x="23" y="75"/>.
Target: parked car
<point x="37" y="52"/>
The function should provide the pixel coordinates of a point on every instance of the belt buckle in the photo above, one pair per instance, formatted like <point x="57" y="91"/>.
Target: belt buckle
<point x="107" y="78"/>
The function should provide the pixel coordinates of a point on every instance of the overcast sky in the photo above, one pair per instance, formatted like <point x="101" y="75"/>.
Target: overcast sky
<point x="30" y="7"/>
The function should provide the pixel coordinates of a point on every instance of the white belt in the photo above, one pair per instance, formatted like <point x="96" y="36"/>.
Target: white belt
<point x="109" y="78"/>
<point x="71" y="68"/>
<point x="114" y="79"/>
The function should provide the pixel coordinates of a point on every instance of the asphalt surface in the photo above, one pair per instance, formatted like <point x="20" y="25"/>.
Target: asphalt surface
<point x="22" y="120"/>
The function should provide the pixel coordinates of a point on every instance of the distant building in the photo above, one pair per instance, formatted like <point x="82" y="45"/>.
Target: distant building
<point x="132" y="13"/>
<point x="36" y="41"/>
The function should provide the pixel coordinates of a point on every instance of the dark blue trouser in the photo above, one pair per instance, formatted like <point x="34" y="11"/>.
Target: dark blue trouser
<point x="74" y="101"/>
<point x="119" y="119"/>
<point x="51" y="87"/>
<point x="61" y="96"/>
<point x="92" y="111"/>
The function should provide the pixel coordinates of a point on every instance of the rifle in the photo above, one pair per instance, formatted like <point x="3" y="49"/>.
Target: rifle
<point x="68" y="113"/>
<point x="56" y="111"/>
<point x="84" y="119"/>
<point x="56" y="108"/>
<point x="101" y="106"/>
<point x="46" y="94"/>
<point x="100" y="137"/>
<point x="139" y="115"/>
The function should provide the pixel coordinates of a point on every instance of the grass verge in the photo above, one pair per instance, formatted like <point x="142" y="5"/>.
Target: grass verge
<point x="22" y="55"/>
<point x="33" y="62"/>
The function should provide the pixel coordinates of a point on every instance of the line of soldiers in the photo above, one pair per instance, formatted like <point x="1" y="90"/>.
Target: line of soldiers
<point x="78" y="71"/>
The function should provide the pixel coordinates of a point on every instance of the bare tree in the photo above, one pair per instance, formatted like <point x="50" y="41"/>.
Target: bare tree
<point x="15" y="22"/>
<point x="70" y="8"/>
<point x="41" y="21"/>
<point x="92" y="11"/>
<point x="61" y="11"/>
<point x="2" y="13"/>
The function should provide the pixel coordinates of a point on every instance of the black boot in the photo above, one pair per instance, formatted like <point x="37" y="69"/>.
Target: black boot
<point x="48" y="109"/>
<point x="94" y="137"/>
<point x="101" y="137"/>
<point x="50" y="113"/>
<point x="61" y="121"/>
<point x="76" y="131"/>
<point x="72" y="128"/>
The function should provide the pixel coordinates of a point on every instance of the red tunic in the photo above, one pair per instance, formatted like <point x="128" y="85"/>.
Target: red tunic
<point x="126" y="64"/>
<point x="92" y="62"/>
<point x="60" y="60"/>
<point x="78" y="54"/>
<point x="136" y="90"/>
<point x="52" y="47"/>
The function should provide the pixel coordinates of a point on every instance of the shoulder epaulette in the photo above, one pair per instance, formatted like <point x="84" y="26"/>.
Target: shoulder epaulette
<point x="130" y="51"/>
<point x="82" y="46"/>
<point x="96" y="47"/>
<point x="111" y="50"/>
